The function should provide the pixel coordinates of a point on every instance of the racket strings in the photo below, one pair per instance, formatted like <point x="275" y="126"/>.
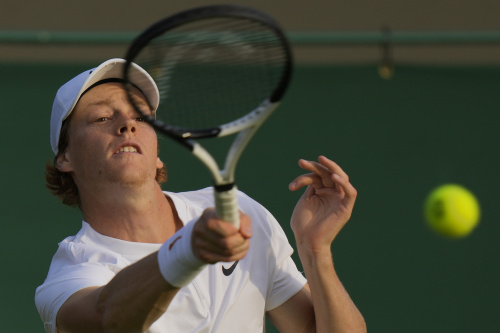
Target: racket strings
<point x="213" y="71"/>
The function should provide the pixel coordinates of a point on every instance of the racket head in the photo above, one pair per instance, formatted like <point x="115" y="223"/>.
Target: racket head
<point x="217" y="68"/>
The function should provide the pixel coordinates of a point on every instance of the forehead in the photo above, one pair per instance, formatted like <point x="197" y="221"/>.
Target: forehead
<point x="108" y="93"/>
<point x="105" y="89"/>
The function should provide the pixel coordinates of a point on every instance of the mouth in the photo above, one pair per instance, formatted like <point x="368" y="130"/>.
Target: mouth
<point x="127" y="149"/>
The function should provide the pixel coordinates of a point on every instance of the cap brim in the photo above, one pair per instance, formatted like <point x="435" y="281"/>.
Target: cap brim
<point x="113" y="69"/>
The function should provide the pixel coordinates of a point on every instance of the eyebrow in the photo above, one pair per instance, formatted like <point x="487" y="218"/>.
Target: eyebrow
<point x="140" y="102"/>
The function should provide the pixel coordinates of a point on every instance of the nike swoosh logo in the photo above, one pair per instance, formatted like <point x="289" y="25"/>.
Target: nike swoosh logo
<point x="172" y="244"/>
<point x="230" y="270"/>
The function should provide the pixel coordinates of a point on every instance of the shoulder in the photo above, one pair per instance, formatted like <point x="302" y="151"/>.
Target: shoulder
<point x="204" y="198"/>
<point x="192" y="203"/>
<point x="89" y="250"/>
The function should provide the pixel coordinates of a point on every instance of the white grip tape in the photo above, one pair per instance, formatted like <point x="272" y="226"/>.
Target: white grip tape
<point x="176" y="259"/>
<point x="226" y="204"/>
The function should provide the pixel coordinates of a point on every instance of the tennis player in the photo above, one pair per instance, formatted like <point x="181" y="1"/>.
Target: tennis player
<point x="147" y="260"/>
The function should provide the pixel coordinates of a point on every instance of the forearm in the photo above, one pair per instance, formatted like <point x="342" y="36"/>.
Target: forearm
<point x="144" y="291"/>
<point x="131" y="302"/>
<point x="147" y="287"/>
<point x="333" y="308"/>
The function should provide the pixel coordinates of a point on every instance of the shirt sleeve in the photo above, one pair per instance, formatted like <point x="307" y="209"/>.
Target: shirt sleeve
<point x="286" y="279"/>
<point x="68" y="273"/>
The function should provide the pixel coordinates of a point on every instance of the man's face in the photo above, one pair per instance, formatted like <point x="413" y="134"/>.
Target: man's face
<point x="109" y="142"/>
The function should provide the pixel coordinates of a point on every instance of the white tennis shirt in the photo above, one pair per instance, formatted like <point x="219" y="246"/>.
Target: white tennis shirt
<point x="212" y="302"/>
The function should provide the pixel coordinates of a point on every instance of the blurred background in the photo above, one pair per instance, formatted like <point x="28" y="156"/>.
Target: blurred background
<point x="402" y="94"/>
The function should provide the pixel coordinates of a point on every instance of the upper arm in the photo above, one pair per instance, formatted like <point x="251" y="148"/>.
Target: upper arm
<point x="296" y="314"/>
<point x="80" y="313"/>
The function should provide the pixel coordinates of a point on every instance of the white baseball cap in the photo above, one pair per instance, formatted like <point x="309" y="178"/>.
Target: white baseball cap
<point x="68" y="95"/>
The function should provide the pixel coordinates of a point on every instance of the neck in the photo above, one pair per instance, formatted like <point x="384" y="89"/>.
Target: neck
<point x="146" y="216"/>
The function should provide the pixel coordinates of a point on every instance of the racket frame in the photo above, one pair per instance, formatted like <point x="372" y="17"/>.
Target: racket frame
<point x="225" y="190"/>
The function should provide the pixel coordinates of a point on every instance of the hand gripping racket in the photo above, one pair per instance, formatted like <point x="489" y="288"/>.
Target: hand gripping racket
<point x="221" y="70"/>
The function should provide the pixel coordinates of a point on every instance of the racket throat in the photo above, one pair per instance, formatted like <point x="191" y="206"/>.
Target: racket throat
<point x="226" y="203"/>
<point x="224" y="187"/>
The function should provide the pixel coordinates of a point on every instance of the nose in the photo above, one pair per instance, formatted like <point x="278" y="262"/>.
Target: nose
<point x="129" y="125"/>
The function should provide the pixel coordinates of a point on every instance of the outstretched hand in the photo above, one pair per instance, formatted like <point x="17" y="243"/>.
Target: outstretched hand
<point x="326" y="205"/>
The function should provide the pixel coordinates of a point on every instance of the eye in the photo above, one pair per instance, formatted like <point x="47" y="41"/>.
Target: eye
<point x="101" y="119"/>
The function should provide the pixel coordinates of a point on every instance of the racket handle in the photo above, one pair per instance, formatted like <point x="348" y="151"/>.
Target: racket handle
<point x="226" y="206"/>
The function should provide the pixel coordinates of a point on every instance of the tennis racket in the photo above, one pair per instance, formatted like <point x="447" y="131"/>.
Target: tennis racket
<point x="221" y="70"/>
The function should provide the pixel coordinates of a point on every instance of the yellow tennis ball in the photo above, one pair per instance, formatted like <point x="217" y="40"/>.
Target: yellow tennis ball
<point x="452" y="210"/>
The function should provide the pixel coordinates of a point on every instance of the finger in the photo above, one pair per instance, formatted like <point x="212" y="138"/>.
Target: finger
<point x="350" y="192"/>
<point x="212" y="253"/>
<point x="219" y="228"/>
<point x="305" y="180"/>
<point x="215" y="241"/>
<point x="225" y="246"/>
<point x="245" y="226"/>
<point x="222" y="234"/>
<point x="332" y="166"/>
<point x="212" y="258"/>
<point x="320" y="170"/>
<point x="221" y="240"/>
<point x="314" y="167"/>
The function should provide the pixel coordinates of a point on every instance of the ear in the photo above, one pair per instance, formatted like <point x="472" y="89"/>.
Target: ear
<point x="159" y="163"/>
<point x="63" y="162"/>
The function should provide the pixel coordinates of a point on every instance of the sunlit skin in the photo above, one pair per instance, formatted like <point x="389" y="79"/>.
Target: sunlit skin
<point x="103" y="122"/>
<point x="113" y="182"/>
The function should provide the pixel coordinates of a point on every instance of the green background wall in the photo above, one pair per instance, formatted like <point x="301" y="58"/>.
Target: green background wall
<point x="397" y="139"/>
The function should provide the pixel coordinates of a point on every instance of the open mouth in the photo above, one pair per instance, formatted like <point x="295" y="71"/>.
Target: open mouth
<point x="126" y="149"/>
